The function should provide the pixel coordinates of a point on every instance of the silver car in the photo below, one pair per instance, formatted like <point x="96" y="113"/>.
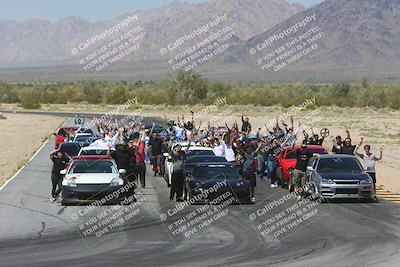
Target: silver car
<point x="339" y="177"/>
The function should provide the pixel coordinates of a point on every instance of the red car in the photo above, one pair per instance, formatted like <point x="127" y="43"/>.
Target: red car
<point x="62" y="134"/>
<point x="287" y="160"/>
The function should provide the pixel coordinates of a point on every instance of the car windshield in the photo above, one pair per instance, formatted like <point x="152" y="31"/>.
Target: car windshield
<point x="215" y="171"/>
<point x="192" y="153"/>
<point x="93" y="166"/>
<point x="82" y="130"/>
<point x="70" y="149"/>
<point x="85" y="138"/>
<point x="338" y="164"/>
<point x="198" y="159"/>
<point x="94" y="152"/>
<point x="292" y="153"/>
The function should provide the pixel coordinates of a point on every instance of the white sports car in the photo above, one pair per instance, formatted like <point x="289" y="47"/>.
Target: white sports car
<point x="94" y="151"/>
<point x="94" y="178"/>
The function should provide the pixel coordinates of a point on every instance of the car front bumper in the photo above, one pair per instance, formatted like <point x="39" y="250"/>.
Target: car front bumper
<point x="88" y="193"/>
<point x="339" y="191"/>
<point x="237" y="195"/>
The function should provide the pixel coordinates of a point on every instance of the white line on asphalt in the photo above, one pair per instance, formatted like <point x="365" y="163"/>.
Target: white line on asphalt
<point x="16" y="174"/>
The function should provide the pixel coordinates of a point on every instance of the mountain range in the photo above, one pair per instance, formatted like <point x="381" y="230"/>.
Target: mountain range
<point x="361" y="38"/>
<point x="38" y="41"/>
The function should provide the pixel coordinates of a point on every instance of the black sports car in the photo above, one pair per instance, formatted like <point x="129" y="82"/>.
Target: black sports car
<point x="210" y="181"/>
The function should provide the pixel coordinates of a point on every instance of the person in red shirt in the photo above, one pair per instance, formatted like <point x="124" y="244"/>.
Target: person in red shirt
<point x="139" y="149"/>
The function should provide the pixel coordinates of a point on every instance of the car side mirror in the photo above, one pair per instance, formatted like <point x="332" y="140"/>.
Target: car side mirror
<point x="309" y="168"/>
<point x="122" y="171"/>
<point x="63" y="172"/>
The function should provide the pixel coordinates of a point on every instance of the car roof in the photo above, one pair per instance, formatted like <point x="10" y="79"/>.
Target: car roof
<point x="96" y="148"/>
<point x="92" y="157"/>
<point x="71" y="144"/>
<point x="70" y="128"/>
<point x="204" y="157"/>
<point x="331" y="156"/>
<point x="83" y="134"/>
<point x="206" y="164"/>
<point x="311" y="147"/>
<point x="200" y="148"/>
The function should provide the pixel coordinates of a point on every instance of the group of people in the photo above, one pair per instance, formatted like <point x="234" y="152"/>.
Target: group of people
<point x="132" y="146"/>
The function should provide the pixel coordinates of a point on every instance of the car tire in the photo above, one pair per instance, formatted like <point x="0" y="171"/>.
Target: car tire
<point x="64" y="203"/>
<point x="185" y="194"/>
<point x="290" y="184"/>
<point x="315" y="194"/>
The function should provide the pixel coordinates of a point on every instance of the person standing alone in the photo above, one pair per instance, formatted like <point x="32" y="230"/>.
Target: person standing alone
<point x="60" y="161"/>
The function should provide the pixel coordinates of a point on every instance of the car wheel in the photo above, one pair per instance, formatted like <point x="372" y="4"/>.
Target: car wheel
<point x="315" y="192"/>
<point x="185" y="193"/>
<point x="290" y="184"/>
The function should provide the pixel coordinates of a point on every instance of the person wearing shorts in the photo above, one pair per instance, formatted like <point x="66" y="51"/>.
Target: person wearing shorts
<point x="156" y="152"/>
<point x="369" y="162"/>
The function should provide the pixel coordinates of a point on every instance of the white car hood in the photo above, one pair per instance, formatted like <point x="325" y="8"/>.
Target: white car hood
<point x="91" y="178"/>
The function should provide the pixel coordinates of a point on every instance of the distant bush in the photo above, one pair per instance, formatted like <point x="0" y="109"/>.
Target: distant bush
<point x="30" y="99"/>
<point x="190" y="88"/>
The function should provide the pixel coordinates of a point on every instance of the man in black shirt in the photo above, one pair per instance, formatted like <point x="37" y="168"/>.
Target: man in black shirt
<point x="131" y="171"/>
<point x="59" y="163"/>
<point x="177" y="179"/>
<point x="156" y="152"/>
<point x="347" y="148"/>
<point x="302" y="156"/>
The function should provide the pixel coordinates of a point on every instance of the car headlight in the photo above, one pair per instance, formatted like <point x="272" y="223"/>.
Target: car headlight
<point x="71" y="182"/>
<point x="116" y="182"/>
<point x="366" y="181"/>
<point x="327" y="181"/>
<point x="239" y="183"/>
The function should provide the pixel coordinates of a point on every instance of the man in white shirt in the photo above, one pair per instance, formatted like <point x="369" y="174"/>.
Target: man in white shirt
<point x="219" y="148"/>
<point x="106" y="142"/>
<point x="369" y="160"/>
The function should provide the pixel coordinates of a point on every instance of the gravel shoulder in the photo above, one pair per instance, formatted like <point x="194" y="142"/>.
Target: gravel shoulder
<point x="22" y="135"/>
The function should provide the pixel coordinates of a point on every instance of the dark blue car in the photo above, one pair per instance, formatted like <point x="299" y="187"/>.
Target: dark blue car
<point x="216" y="182"/>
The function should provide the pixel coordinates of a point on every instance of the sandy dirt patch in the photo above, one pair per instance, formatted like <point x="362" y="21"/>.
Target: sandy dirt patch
<point x="22" y="135"/>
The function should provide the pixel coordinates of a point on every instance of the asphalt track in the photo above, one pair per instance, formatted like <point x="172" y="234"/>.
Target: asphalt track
<point x="35" y="232"/>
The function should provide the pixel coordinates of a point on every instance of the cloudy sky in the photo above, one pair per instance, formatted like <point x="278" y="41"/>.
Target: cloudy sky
<point x="92" y="10"/>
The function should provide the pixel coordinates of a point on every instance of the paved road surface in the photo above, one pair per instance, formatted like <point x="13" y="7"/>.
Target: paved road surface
<point x="36" y="232"/>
